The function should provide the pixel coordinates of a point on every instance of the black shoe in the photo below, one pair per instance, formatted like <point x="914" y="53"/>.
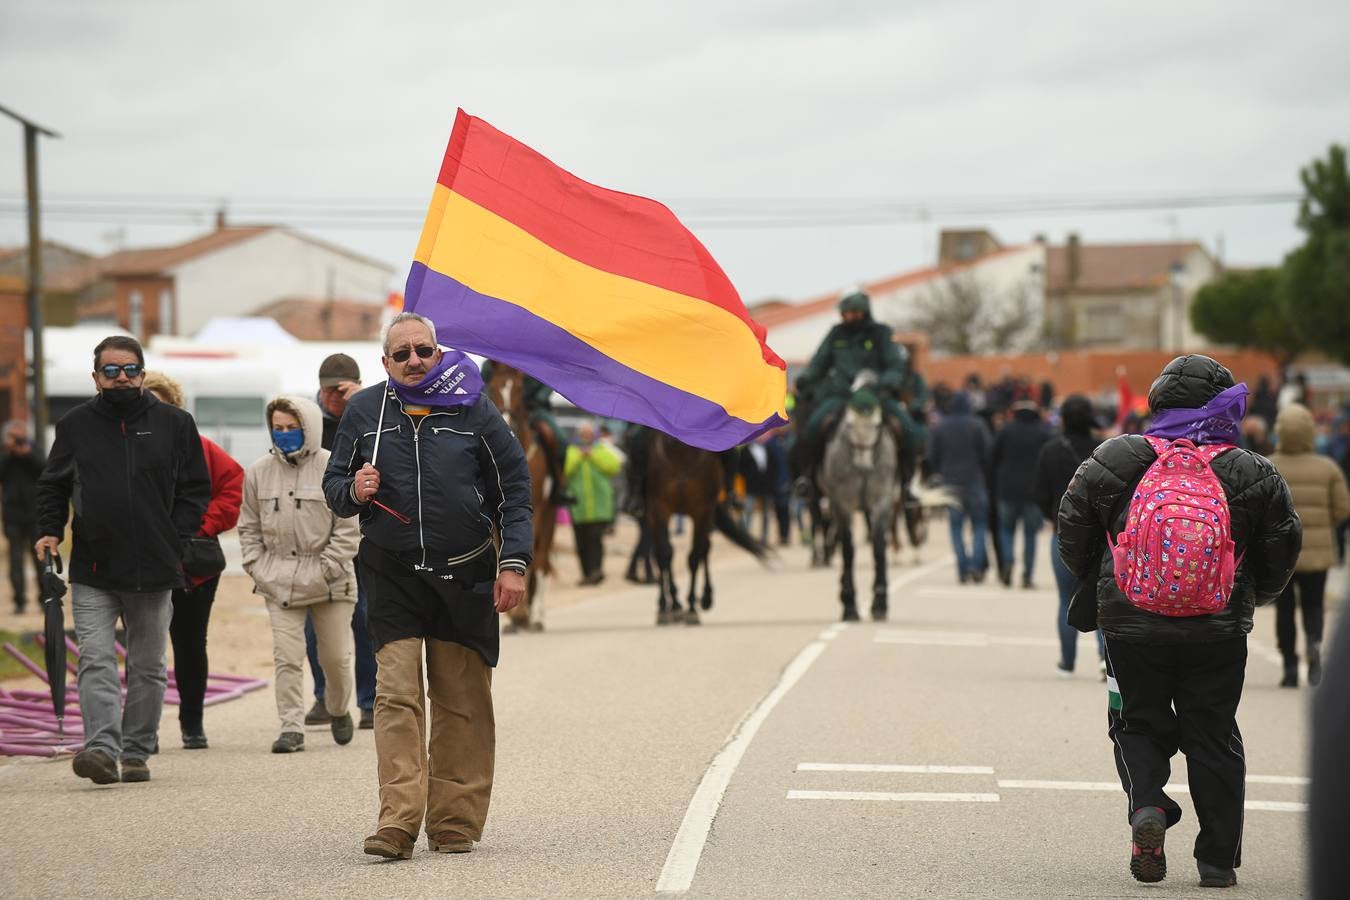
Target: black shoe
<point x="978" y="575"/>
<point x="1215" y="876"/>
<point x="1005" y="575"/>
<point x="1148" y="828"/>
<point x="367" y="720"/>
<point x="318" y="714"/>
<point x="1314" y="663"/>
<point x="194" y="738"/>
<point x="134" y="770"/>
<point x="1290" y="679"/>
<point x="343" y="728"/>
<point x="97" y="766"/>
<point x="1026" y="582"/>
<point x="289" y="742"/>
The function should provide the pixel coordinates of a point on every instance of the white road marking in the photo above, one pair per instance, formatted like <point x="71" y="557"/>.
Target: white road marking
<point x="1278" y="779"/>
<point x="1071" y="785"/>
<point x="893" y="798"/>
<point x="1112" y="786"/>
<point x="1275" y="806"/>
<point x="682" y="861"/>
<point x="958" y="639"/>
<point x="895" y="767"/>
<point x="832" y="632"/>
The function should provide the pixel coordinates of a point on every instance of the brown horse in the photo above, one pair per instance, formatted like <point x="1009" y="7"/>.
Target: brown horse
<point x="506" y="390"/>
<point x="684" y="479"/>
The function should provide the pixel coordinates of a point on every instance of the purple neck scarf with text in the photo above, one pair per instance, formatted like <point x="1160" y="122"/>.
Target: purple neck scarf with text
<point x="1217" y="422"/>
<point x="453" y="382"/>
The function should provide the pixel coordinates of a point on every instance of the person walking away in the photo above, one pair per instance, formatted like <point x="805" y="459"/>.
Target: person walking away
<point x="299" y="555"/>
<point x="1016" y="450"/>
<point x="20" y="468"/>
<point x="339" y="380"/>
<point x="958" y="452"/>
<point x="135" y="470"/>
<point x="1322" y="502"/>
<point x="192" y="603"/>
<point x="1174" y="538"/>
<point x="591" y="465"/>
<point x="1059" y="459"/>
<point x="447" y="474"/>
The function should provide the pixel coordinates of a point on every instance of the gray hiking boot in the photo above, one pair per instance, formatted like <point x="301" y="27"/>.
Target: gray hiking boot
<point x="289" y="742"/>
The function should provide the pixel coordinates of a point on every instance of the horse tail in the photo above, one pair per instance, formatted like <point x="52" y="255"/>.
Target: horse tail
<point x="732" y="528"/>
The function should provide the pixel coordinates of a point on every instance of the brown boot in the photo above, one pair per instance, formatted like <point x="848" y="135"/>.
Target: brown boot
<point x="449" y="842"/>
<point x="391" y="843"/>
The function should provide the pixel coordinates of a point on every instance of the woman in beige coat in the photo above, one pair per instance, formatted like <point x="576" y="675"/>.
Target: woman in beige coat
<point x="300" y="558"/>
<point x="1322" y="502"/>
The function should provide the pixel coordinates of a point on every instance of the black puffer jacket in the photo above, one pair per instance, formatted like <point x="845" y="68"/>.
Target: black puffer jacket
<point x="1265" y="527"/>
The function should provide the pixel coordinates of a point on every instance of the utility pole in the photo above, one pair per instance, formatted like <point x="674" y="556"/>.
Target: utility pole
<point x="31" y="130"/>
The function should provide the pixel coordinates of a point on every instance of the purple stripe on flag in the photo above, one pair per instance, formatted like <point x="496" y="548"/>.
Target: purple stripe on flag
<point x="501" y="331"/>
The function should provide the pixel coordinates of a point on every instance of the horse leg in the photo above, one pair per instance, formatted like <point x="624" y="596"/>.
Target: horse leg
<point x="880" y="587"/>
<point x="695" y="560"/>
<point x="847" y="596"/>
<point x="707" y="601"/>
<point x="665" y="579"/>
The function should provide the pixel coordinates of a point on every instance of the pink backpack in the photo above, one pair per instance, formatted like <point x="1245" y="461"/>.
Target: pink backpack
<point x="1176" y="554"/>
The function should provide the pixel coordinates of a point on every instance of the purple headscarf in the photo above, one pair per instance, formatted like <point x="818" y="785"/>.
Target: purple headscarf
<point x="1217" y="422"/>
<point x="453" y="382"/>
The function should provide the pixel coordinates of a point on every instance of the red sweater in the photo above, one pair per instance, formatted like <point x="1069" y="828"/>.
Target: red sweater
<point x="227" y="493"/>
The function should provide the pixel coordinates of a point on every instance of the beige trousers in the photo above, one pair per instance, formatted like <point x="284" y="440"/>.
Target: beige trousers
<point x="333" y="632"/>
<point x="448" y="784"/>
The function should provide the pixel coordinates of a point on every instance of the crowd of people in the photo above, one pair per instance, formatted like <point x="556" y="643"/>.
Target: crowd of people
<point x="389" y="526"/>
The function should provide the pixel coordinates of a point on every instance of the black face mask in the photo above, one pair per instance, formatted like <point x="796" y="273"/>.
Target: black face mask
<point x="121" y="396"/>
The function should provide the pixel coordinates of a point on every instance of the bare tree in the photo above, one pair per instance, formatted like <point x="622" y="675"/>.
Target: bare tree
<point x="961" y="316"/>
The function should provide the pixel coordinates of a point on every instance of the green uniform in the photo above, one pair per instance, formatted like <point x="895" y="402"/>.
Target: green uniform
<point x="847" y="350"/>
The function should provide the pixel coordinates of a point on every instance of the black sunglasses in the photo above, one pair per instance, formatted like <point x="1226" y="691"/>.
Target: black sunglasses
<point x="401" y="355"/>
<point x="133" y="370"/>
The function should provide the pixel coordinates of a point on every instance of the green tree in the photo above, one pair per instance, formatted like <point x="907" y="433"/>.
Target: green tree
<point x="1315" y="284"/>
<point x="1243" y="309"/>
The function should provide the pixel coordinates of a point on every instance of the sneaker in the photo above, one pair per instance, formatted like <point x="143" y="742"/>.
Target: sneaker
<point x="449" y="842"/>
<point x="194" y="738"/>
<point x="367" y="720"/>
<point x="135" y="770"/>
<point x="343" y="728"/>
<point x="1215" y="876"/>
<point x="1063" y="670"/>
<point x="1148" y="827"/>
<point x="390" y="843"/>
<point x="318" y="714"/>
<point x="97" y="766"/>
<point x="289" y="742"/>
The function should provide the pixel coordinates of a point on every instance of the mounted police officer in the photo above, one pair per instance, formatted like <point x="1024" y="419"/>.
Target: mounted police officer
<point x="858" y="343"/>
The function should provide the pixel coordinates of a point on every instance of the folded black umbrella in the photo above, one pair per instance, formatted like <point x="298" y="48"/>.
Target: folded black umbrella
<point x="53" y="588"/>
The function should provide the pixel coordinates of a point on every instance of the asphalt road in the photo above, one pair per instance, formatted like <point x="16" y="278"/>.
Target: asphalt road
<point x="766" y="753"/>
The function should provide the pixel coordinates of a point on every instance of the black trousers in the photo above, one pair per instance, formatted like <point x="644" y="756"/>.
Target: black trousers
<point x="21" y="539"/>
<point x="590" y="538"/>
<point x="1305" y="589"/>
<point x="1182" y="697"/>
<point x="187" y="631"/>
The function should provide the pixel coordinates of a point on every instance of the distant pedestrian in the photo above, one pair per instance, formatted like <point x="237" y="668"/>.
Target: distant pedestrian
<point x="958" y="452"/>
<point x="1059" y="460"/>
<point x="1017" y="446"/>
<point x="1322" y="502"/>
<point x="135" y="470"/>
<point x="339" y="380"/>
<point x="20" y="468"/>
<point x="448" y="477"/>
<point x="590" y="467"/>
<point x="1174" y="680"/>
<point x="299" y="555"/>
<point x="192" y="603"/>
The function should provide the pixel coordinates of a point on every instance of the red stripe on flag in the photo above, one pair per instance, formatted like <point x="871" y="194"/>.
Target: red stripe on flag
<point x="619" y="233"/>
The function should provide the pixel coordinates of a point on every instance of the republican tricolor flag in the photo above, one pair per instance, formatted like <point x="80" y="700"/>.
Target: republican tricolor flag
<point x="601" y="295"/>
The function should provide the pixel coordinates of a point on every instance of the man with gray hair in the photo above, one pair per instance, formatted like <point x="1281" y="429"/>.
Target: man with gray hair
<point x="432" y="470"/>
<point x="20" y="468"/>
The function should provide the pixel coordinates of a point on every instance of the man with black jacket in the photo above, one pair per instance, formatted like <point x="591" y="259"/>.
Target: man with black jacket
<point x="1016" y="449"/>
<point x="134" y="468"/>
<point x="1175" y="682"/>
<point x="432" y="470"/>
<point x="19" y="471"/>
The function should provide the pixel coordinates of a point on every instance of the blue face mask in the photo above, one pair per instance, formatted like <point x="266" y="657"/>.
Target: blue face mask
<point x="289" y="441"/>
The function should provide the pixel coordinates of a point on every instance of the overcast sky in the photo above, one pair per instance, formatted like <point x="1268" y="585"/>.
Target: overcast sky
<point x="742" y="108"/>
